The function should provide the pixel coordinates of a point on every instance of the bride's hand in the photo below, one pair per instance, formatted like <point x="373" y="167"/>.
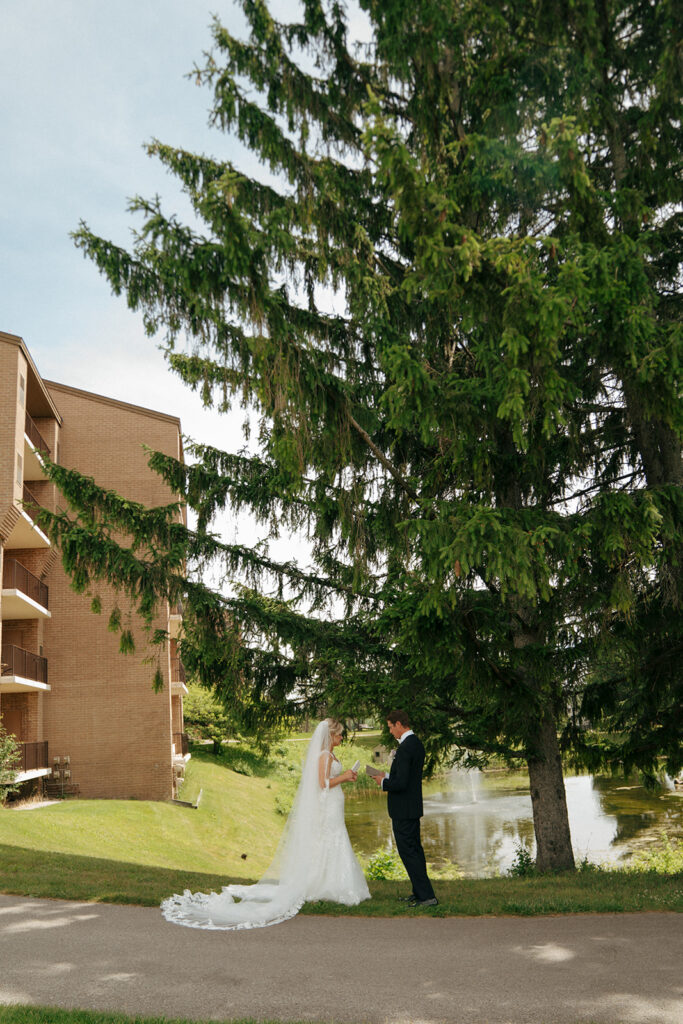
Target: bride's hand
<point x="349" y="776"/>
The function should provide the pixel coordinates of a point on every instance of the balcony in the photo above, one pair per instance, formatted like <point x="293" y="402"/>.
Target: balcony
<point x="33" y="756"/>
<point x="181" y="744"/>
<point x="34" y="761"/>
<point x="35" y="436"/>
<point x="21" y="671"/>
<point x="178" y="676"/>
<point x="24" y="596"/>
<point x="26" y="534"/>
<point x="35" y="445"/>
<point x="175" y="620"/>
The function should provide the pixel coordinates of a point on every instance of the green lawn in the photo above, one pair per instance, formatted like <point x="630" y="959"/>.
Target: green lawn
<point x="125" y="851"/>
<point x="237" y="816"/>
<point x="50" y="1015"/>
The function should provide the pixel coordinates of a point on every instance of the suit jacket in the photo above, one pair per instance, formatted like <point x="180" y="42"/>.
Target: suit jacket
<point x="404" y="785"/>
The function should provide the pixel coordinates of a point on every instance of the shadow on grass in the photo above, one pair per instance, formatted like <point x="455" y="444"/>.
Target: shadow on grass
<point x="26" y="872"/>
<point x="241" y="759"/>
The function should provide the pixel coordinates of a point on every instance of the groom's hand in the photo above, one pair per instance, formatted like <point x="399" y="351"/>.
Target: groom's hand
<point x="379" y="779"/>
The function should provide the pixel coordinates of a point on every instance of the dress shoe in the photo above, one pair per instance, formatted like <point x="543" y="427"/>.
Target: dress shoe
<point x="433" y="902"/>
<point x="407" y="899"/>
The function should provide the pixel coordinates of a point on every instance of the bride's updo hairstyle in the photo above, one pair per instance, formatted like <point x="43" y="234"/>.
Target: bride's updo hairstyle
<point x="335" y="727"/>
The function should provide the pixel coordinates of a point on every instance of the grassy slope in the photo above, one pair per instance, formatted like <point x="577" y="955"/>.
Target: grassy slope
<point x="237" y="815"/>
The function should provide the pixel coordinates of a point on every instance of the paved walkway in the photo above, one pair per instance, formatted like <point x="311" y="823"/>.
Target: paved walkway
<point x="544" y="970"/>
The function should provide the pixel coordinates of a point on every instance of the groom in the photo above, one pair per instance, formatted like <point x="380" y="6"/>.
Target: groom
<point x="404" y="804"/>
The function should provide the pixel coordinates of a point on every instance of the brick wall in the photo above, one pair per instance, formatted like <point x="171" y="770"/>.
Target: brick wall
<point x="102" y="710"/>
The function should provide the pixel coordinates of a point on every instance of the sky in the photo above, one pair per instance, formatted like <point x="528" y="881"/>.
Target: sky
<point x="83" y="85"/>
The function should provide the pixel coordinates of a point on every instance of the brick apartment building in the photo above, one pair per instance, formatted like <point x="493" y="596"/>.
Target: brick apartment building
<point x="86" y="715"/>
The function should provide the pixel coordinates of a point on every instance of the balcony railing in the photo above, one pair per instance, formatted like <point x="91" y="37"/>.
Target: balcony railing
<point x="31" y="503"/>
<point x="181" y="743"/>
<point x="33" y="756"/>
<point x="177" y="671"/>
<point x="18" y="662"/>
<point x="35" y="436"/>
<point x="16" y="576"/>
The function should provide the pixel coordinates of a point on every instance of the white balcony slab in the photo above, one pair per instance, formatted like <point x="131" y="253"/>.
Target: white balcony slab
<point x="178" y="687"/>
<point x="35" y="773"/>
<point x="175" y="624"/>
<point x="15" y="604"/>
<point x="26" y="534"/>
<point x="19" y="684"/>
<point x="34" y="468"/>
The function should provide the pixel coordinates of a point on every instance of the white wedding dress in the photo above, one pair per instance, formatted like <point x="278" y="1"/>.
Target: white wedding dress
<point x="314" y="861"/>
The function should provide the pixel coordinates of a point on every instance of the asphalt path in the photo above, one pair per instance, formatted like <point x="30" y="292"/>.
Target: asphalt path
<point x="602" y="968"/>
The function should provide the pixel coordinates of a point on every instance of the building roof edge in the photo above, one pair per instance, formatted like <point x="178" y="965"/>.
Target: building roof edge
<point x="93" y="396"/>
<point x="15" y="339"/>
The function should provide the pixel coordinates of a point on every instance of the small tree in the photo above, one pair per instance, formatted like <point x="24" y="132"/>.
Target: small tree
<point x="205" y="717"/>
<point x="10" y="759"/>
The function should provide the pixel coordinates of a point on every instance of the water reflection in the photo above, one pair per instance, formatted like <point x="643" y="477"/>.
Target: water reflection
<point x="477" y="820"/>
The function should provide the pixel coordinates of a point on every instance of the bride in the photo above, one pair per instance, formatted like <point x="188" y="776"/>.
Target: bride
<point x="314" y="860"/>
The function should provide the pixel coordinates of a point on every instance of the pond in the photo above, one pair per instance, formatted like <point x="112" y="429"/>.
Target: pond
<point x="477" y="820"/>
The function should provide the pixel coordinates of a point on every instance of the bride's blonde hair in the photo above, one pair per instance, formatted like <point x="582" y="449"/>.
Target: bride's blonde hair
<point x="335" y="727"/>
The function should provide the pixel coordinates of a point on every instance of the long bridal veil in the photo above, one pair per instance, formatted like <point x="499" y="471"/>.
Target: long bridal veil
<point x="282" y="890"/>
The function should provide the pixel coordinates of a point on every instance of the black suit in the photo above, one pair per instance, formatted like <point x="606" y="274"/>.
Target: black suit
<point x="404" y="803"/>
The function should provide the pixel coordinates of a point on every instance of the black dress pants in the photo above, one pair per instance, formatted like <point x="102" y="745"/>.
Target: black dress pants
<point x="409" y="846"/>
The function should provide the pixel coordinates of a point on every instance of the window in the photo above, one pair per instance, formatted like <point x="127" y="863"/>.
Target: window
<point x="20" y="470"/>
<point x="22" y="390"/>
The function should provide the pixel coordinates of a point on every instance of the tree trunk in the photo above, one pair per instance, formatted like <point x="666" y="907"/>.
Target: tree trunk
<point x="546" y="781"/>
<point x="658" y="443"/>
<point x="549" y="803"/>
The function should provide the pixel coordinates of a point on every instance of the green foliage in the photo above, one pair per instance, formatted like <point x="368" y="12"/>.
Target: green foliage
<point x="158" y="681"/>
<point x="523" y="864"/>
<point x="206" y="718"/>
<point x="384" y="865"/>
<point x="666" y="859"/>
<point x="127" y="643"/>
<point x="10" y="759"/>
<point x="484" y="447"/>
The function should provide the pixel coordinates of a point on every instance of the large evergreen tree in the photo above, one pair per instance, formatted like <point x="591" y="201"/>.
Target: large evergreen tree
<point x="485" y="444"/>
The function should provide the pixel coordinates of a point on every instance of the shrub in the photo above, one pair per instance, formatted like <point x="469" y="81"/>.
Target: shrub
<point x="10" y="754"/>
<point x="205" y="717"/>
<point x="384" y="865"/>
<point x="523" y="864"/>
<point x="666" y="860"/>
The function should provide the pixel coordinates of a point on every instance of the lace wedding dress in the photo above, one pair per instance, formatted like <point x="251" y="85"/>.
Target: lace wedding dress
<point x="314" y="861"/>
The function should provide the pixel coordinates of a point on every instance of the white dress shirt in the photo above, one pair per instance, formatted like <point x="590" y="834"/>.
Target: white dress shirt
<point x="408" y="732"/>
